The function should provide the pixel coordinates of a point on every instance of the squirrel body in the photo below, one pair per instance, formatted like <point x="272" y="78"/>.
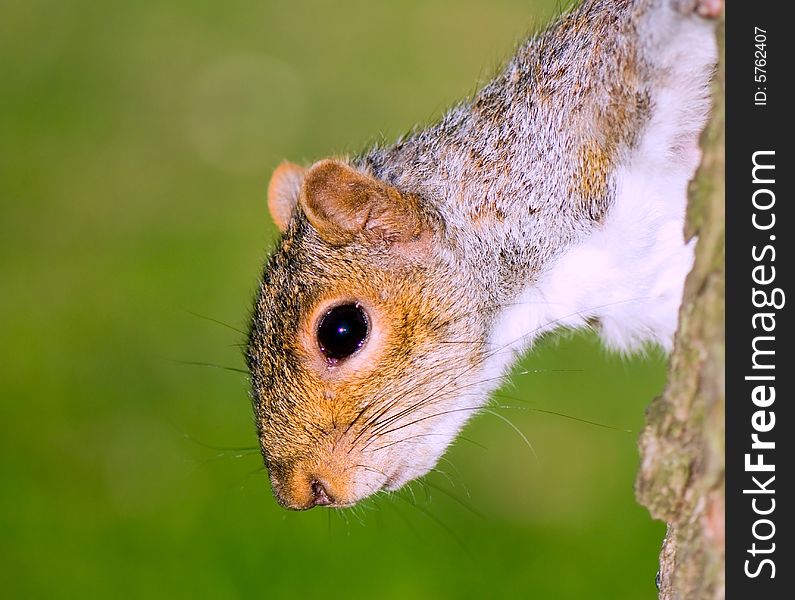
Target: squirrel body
<point x="554" y="197"/>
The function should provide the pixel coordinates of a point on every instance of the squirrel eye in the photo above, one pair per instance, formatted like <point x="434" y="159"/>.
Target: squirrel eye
<point x="342" y="331"/>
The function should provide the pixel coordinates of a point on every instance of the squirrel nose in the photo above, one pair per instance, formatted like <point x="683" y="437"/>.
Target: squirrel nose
<point x="301" y="488"/>
<point x="320" y="496"/>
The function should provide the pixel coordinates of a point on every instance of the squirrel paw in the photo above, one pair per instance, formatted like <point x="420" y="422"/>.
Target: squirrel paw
<point x="709" y="9"/>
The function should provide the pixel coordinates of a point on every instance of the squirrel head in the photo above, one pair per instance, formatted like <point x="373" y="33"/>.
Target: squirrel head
<point x="355" y="373"/>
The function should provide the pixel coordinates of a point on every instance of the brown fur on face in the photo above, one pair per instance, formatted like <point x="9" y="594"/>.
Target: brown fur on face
<point x="313" y="414"/>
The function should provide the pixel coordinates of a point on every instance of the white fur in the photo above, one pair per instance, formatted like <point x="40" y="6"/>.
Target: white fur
<point x="629" y="274"/>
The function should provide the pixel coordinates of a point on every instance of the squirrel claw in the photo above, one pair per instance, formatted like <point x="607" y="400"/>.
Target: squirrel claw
<point x="709" y="9"/>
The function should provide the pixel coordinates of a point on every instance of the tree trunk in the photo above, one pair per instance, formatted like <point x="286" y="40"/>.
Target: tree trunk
<point x="681" y="479"/>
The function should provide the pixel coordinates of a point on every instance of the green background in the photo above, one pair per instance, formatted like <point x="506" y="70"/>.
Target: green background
<point x="136" y="142"/>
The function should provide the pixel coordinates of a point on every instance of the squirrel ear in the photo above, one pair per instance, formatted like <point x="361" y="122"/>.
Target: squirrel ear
<point x="341" y="202"/>
<point x="283" y="191"/>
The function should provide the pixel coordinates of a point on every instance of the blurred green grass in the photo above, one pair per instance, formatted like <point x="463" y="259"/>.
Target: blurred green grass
<point x="136" y="141"/>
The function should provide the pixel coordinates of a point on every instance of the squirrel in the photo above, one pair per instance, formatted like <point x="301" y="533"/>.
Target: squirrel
<point x="409" y="278"/>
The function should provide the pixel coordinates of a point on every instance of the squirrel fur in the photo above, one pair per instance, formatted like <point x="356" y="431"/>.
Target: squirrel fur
<point x="554" y="197"/>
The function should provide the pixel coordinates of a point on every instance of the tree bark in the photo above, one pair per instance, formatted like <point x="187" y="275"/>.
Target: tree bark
<point x="681" y="479"/>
